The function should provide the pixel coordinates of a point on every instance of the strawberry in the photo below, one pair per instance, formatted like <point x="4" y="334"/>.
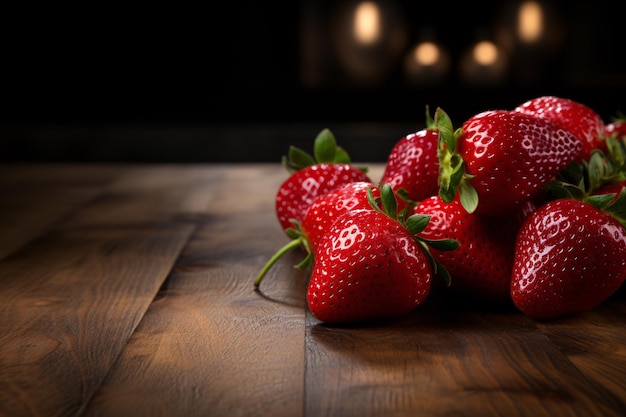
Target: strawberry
<point x="370" y="265"/>
<point x="500" y="158"/>
<point x="570" y="256"/>
<point x="320" y="215"/>
<point x="412" y="167"/>
<point x="603" y="173"/>
<point x="326" y="208"/>
<point x="481" y="267"/>
<point x="313" y="176"/>
<point x="579" y="119"/>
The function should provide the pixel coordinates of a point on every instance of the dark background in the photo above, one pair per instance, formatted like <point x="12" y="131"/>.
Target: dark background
<point x="241" y="81"/>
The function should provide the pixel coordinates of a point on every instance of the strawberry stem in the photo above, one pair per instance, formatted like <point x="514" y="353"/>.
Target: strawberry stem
<point x="289" y="246"/>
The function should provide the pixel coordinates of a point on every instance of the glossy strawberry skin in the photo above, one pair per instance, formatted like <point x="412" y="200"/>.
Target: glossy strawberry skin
<point x="326" y="208"/>
<point x="300" y="189"/>
<point x="582" y="121"/>
<point x="481" y="267"/>
<point x="413" y="165"/>
<point x="511" y="156"/>
<point x="569" y="258"/>
<point x="367" y="267"/>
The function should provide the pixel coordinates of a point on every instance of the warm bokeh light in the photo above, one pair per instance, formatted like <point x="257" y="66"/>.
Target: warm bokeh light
<point x="368" y="37"/>
<point x="426" y="53"/>
<point x="485" y="53"/>
<point x="367" y="22"/>
<point x="484" y="63"/>
<point x="428" y="62"/>
<point x="530" y="21"/>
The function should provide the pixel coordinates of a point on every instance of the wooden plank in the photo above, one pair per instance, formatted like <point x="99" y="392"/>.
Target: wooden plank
<point x="152" y="193"/>
<point x="596" y="343"/>
<point x="114" y="253"/>
<point x="69" y="302"/>
<point x="210" y="344"/>
<point x="439" y="361"/>
<point x="36" y="197"/>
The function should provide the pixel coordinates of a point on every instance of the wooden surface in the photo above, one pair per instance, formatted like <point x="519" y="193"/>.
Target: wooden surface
<point x="126" y="290"/>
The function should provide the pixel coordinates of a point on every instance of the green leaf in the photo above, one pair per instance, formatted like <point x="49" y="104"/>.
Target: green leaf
<point x="442" y="272"/>
<point x="417" y="223"/>
<point x="299" y="159"/>
<point x="618" y="208"/>
<point x="430" y="122"/>
<point x="560" y="189"/>
<point x="468" y="196"/>
<point x="341" y="156"/>
<point x="573" y="173"/>
<point x="390" y="205"/>
<point x="373" y="201"/>
<point x="617" y="150"/>
<point x="458" y="170"/>
<point x="443" y="244"/>
<point x="600" y="201"/>
<point x="447" y="194"/>
<point x="325" y="146"/>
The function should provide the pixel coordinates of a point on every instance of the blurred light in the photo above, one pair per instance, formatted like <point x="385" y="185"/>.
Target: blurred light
<point x="367" y="22"/>
<point x="426" y="63"/>
<point x="484" y="63"/>
<point x="485" y="53"/>
<point x="426" y="53"/>
<point x="530" y="21"/>
<point x="368" y="38"/>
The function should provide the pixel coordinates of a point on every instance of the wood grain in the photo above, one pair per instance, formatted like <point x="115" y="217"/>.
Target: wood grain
<point x="69" y="302"/>
<point x="439" y="361"/>
<point x="35" y="198"/>
<point x="211" y="345"/>
<point x="129" y="292"/>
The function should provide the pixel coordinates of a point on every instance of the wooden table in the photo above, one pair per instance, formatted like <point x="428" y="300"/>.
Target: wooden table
<point x="127" y="290"/>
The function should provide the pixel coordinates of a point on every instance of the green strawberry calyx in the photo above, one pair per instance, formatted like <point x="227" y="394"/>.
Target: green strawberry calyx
<point x="584" y="181"/>
<point x="452" y="175"/>
<point x="325" y="150"/>
<point x="415" y="224"/>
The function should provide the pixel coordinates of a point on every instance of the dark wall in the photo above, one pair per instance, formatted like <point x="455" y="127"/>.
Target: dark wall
<point x="209" y="83"/>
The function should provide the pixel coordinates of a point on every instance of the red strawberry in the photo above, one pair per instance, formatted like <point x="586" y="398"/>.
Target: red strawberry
<point x="412" y="167"/>
<point x="319" y="217"/>
<point x="312" y="177"/>
<point x="603" y="173"/>
<point x="582" y="121"/>
<point x="481" y="266"/>
<point x="570" y="256"/>
<point x="326" y="208"/>
<point x="370" y="266"/>
<point x="500" y="159"/>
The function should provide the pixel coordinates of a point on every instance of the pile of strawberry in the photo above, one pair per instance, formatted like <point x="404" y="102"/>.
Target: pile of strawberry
<point x="525" y="207"/>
